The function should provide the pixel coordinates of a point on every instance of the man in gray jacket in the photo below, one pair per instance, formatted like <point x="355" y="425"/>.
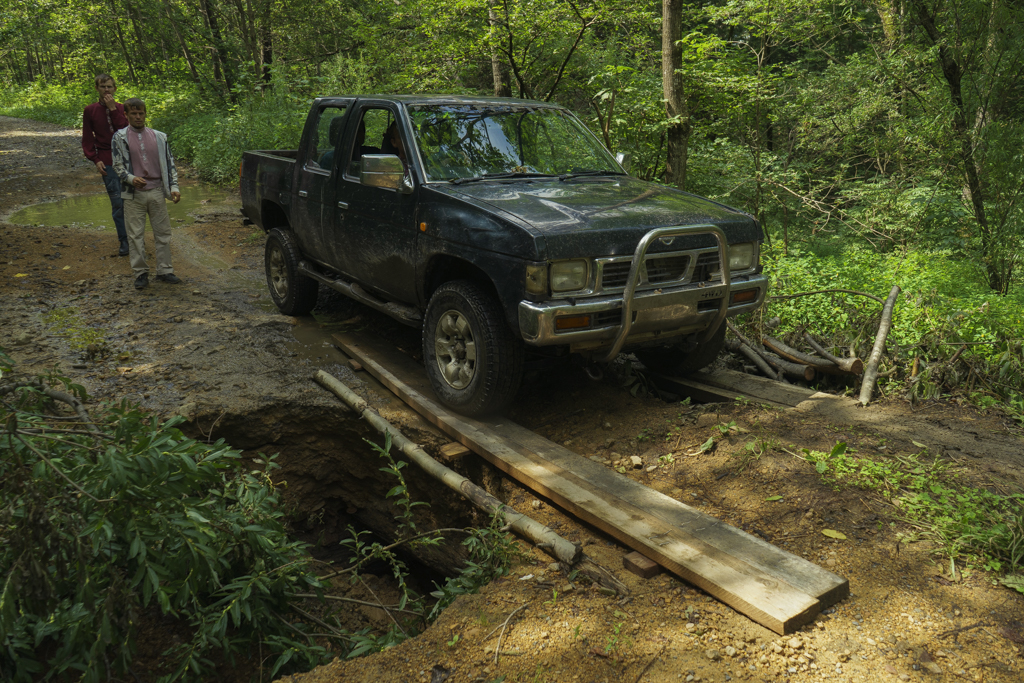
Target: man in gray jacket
<point x="145" y="166"/>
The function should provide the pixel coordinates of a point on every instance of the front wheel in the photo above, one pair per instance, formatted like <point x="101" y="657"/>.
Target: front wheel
<point x="673" y="360"/>
<point x="293" y="292"/>
<point x="474" y="362"/>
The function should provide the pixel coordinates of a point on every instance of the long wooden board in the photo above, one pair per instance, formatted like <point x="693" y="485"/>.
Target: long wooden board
<point x="774" y="588"/>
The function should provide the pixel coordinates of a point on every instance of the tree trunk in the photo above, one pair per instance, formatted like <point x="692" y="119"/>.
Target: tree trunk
<point x="954" y="73"/>
<point x="181" y="41"/>
<point x="266" y="44"/>
<point x="499" y="72"/>
<point x="672" y="86"/>
<point x="222" y="61"/>
<point x="124" y="48"/>
<point x="867" y="387"/>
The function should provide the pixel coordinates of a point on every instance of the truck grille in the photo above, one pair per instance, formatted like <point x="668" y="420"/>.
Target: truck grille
<point x="706" y="264"/>
<point x="614" y="274"/>
<point x="661" y="269"/>
<point x="666" y="269"/>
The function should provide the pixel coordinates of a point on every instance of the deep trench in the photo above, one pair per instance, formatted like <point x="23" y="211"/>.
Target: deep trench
<point x="331" y="479"/>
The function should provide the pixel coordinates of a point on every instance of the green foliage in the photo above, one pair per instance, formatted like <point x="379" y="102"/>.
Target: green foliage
<point x="963" y="520"/>
<point x="104" y="522"/>
<point x="213" y="142"/>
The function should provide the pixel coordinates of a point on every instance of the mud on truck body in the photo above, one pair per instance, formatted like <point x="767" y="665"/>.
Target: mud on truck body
<point x="501" y="228"/>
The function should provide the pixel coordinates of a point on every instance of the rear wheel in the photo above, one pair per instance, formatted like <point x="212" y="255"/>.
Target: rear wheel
<point x="293" y="292"/>
<point x="673" y="360"/>
<point x="474" y="362"/>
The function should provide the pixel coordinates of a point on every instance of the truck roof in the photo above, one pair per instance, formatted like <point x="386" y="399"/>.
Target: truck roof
<point x="444" y="99"/>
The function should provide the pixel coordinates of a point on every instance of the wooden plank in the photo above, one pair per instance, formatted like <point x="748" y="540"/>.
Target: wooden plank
<point x="702" y="392"/>
<point x="775" y="588"/>
<point x="753" y="387"/>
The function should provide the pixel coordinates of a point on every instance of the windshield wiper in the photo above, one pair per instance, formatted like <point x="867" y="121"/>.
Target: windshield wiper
<point x="567" y="176"/>
<point x="499" y="176"/>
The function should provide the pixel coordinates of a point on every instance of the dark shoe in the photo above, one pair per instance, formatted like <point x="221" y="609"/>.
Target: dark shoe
<point x="142" y="281"/>
<point x="169" y="278"/>
<point x="123" y="251"/>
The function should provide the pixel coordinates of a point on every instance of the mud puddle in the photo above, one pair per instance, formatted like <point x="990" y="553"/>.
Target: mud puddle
<point x="93" y="210"/>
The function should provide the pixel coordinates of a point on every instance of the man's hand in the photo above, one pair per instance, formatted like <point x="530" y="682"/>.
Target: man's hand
<point x="138" y="182"/>
<point x="108" y="102"/>
<point x="175" y="196"/>
<point x="102" y="167"/>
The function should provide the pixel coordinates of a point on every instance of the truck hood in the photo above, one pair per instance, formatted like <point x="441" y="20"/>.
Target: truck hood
<point x="602" y="215"/>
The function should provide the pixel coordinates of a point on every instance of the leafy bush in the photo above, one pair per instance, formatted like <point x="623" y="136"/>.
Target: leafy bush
<point x="105" y="519"/>
<point x="213" y="141"/>
<point x="110" y="519"/>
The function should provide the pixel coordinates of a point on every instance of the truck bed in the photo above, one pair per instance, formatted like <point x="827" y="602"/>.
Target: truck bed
<point x="263" y="169"/>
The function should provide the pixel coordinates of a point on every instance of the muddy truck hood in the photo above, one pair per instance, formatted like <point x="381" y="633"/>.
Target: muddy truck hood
<point x="603" y="216"/>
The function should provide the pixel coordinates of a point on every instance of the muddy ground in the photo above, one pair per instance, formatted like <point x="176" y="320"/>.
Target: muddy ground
<point x="215" y="350"/>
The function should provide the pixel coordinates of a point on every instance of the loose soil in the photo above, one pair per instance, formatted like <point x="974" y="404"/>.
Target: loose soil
<point x="215" y="350"/>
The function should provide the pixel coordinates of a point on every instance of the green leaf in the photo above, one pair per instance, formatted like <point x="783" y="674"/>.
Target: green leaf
<point x="832" y="533"/>
<point x="771" y="499"/>
<point x="1014" y="581"/>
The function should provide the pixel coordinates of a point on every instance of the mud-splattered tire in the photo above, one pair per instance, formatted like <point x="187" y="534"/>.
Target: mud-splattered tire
<point x="293" y="292"/>
<point x="474" y="362"/>
<point x="672" y="360"/>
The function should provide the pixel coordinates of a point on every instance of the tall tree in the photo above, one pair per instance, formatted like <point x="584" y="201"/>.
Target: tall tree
<point x="679" y="128"/>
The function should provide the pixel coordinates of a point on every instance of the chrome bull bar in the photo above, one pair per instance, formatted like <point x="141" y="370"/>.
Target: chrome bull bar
<point x="633" y="279"/>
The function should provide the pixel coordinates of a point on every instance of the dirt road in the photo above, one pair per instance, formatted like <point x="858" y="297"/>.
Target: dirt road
<point x="216" y="351"/>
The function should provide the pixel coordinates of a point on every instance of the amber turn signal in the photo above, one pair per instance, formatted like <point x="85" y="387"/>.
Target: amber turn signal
<point x="572" y="322"/>
<point x="744" y="297"/>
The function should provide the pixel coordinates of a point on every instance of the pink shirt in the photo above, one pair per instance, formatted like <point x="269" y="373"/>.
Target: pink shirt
<point x="143" y="150"/>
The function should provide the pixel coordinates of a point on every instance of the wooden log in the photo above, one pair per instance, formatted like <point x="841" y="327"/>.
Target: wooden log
<point x="755" y="358"/>
<point x="791" y="354"/>
<point x="852" y="365"/>
<point x="756" y="348"/>
<point x="867" y="387"/>
<point x="793" y="369"/>
<point x="543" y="537"/>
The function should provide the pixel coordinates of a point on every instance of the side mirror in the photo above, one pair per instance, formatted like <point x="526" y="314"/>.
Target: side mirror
<point x="384" y="170"/>
<point x="624" y="159"/>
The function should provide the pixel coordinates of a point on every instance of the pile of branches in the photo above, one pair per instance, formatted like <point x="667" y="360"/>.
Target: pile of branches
<point x="778" y="360"/>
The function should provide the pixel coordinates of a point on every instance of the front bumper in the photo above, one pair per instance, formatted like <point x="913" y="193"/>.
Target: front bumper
<point x="657" y="314"/>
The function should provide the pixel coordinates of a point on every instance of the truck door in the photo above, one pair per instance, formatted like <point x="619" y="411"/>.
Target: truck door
<point x="313" y="209"/>
<point x="376" y="227"/>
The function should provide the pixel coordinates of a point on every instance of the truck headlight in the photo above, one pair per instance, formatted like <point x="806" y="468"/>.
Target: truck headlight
<point x="741" y="256"/>
<point x="537" y="278"/>
<point x="569" y="276"/>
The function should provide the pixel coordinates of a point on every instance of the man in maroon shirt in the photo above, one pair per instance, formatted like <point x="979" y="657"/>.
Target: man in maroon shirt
<point x="99" y="123"/>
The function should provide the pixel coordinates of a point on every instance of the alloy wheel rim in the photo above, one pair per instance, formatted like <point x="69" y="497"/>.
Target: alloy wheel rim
<point x="278" y="273"/>
<point x="455" y="349"/>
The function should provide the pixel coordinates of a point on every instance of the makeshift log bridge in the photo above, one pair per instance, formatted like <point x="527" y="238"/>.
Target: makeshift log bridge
<point x="774" y="588"/>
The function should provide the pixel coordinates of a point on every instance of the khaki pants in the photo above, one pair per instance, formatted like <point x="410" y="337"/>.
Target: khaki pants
<point x="136" y="208"/>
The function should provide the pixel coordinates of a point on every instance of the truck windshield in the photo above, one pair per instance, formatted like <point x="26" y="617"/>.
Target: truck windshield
<point x="472" y="142"/>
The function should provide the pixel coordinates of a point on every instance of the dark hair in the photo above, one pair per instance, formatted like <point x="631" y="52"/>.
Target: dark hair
<point x="134" y="103"/>
<point x="100" y="78"/>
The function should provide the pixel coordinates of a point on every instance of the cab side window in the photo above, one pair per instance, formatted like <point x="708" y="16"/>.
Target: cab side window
<point x="370" y="136"/>
<point x="320" y="155"/>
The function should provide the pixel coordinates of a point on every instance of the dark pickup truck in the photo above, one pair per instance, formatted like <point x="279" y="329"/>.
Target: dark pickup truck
<point x="504" y="230"/>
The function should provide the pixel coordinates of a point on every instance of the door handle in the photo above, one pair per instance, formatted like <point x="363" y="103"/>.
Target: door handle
<point x="303" y="193"/>
<point x="342" y="205"/>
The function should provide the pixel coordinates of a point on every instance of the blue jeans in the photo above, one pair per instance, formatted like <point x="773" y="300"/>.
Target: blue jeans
<point x="113" y="184"/>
